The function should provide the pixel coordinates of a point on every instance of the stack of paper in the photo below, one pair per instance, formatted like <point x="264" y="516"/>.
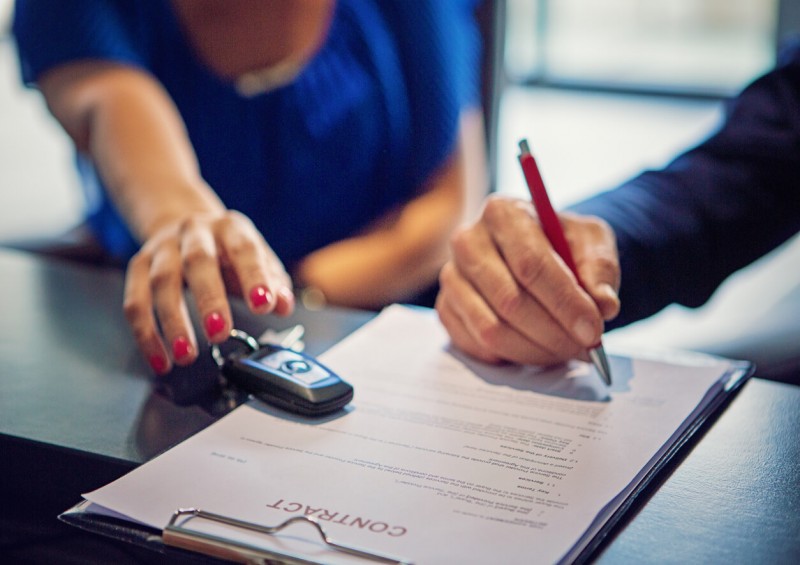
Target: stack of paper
<point x="438" y="459"/>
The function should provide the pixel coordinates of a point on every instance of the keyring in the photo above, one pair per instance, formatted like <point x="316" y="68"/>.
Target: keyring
<point x="239" y="336"/>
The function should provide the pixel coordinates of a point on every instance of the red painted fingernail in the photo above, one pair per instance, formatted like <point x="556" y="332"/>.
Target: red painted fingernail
<point x="260" y="296"/>
<point x="214" y="324"/>
<point x="181" y="348"/>
<point x="158" y="364"/>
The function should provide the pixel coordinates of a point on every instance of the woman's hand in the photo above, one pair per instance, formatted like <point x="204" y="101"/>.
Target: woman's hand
<point x="507" y="296"/>
<point x="126" y="122"/>
<point x="212" y="254"/>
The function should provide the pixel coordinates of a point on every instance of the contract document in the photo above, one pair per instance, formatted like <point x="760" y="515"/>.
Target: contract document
<point x="439" y="458"/>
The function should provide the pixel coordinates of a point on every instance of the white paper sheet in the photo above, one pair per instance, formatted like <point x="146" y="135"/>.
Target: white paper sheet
<point x="438" y="459"/>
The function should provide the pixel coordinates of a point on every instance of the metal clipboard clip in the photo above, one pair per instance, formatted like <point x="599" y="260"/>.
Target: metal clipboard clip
<point x="177" y="535"/>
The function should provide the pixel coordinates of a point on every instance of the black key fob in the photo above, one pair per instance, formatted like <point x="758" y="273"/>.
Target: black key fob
<point x="284" y="378"/>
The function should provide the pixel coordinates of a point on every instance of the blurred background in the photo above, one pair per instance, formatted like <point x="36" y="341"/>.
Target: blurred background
<point x="605" y="89"/>
<point x="602" y="90"/>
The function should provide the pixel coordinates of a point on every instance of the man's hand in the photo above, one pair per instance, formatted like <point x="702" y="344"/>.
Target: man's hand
<point x="507" y="296"/>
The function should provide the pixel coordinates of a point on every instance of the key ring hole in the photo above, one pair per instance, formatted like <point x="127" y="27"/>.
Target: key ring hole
<point x="236" y="335"/>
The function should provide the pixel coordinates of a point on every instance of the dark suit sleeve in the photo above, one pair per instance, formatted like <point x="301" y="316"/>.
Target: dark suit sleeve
<point x="716" y="208"/>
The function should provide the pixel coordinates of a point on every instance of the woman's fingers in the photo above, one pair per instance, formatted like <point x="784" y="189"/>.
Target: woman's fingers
<point x="259" y="273"/>
<point x="138" y="308"/>
<point x="155" y="308"/>
<point x="166" y="284"/>
<point x="201" y="271"/>
<point x="198" y="252"/>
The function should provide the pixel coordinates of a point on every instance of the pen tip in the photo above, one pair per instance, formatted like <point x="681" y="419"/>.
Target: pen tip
<point x="523" y="146"/>
<point x="600" y="361"/>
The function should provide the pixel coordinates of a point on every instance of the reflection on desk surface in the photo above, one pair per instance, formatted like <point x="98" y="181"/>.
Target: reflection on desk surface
<point x="68" y="353"/>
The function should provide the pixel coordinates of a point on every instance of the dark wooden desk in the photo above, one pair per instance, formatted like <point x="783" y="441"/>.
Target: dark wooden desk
<point x="78" y="408"/>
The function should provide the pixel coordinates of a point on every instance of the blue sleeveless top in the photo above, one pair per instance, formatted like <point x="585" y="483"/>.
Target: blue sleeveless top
<point x="357" y="133"/>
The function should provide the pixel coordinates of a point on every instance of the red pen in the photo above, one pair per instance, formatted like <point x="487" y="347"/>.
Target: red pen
<point x="551" y="226"/>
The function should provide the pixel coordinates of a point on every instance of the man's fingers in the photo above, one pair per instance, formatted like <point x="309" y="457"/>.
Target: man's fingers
<point x="485" y="334"/>
<point x="597" y="260"/>
<point x="538" y="269"/>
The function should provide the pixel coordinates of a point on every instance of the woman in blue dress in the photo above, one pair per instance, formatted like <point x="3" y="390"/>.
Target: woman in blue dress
<point x="257" y="146"/>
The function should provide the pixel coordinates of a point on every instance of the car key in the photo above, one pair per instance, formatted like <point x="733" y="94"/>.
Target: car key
<point x="283" y="377"/>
